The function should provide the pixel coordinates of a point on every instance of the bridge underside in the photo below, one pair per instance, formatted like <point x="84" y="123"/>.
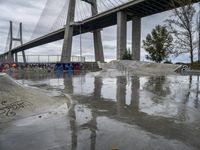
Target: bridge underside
<point x="135" y="8"/>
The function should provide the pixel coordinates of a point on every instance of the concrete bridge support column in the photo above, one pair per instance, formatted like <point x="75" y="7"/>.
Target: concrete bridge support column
<point x="98" y="47"/>
<point x="10" y="58"/>
<point x="97" y="88"/>
<point x="16" y="58"/>
<point x="7" y="59"/>
<point x="68" y="36"/>
<point x="135" y="95"/>
<point x="10" y="55"/>
<point x="68" y="82"/>
<point x="24" y="57"/>
<point x="1" y="58"/>
<point x="4" y="58"/>
<point x="121" y="34"/>
<point x="121" y="94"/>
<point x="136" y="38"/>
<point x="21" y="40"/>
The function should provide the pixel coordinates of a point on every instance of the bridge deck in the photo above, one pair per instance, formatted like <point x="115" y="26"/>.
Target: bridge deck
<point x="139" y="8"/>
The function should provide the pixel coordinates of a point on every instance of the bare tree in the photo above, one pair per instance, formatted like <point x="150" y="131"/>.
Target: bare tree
<point x="182" y="25"/>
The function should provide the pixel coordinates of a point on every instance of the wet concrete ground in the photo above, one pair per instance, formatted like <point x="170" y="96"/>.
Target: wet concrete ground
<point x="129" y="113"/>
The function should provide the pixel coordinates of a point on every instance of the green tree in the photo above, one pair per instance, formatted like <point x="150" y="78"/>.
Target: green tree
<point x="182" y="25"/>
<point x="158" y="44"/>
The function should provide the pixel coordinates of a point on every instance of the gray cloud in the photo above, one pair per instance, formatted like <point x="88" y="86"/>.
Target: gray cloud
<point x="29" y="11"/>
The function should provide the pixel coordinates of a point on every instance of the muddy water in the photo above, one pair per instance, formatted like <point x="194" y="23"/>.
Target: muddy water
<point x="128" y="113"/>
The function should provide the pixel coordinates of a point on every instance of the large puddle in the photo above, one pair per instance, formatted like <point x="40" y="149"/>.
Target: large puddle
<point x="148" y="112"/>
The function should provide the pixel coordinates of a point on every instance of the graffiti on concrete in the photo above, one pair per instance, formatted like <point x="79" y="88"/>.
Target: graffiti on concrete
<point x="9" y="109"/>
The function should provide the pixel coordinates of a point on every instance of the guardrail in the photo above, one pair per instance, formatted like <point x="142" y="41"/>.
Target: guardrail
<point x="47" y="58"/>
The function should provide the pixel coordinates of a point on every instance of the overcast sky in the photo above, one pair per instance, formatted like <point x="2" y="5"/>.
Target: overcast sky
<point x="29" y="11"/>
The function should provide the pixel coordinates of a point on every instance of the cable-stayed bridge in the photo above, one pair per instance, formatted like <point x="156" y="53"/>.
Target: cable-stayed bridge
<point x="82" y="16"/>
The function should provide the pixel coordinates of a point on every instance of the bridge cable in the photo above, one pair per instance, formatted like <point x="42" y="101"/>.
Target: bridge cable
<point x="76" y="14"/>
<point x="105" y="7"/>
<point x="112" y="3"/>
<point x="117" y="2"/>
<point x="37" y="25"/>
<point x="60" y="20"/>
<point x="65" y="14"/>
<point x="49" y="14"/>
<point x="99" y="7"/>
<point x="108" y="4"/>
<point x="105" y="4"/>
<point x="79" y="10"/>
<point x="121" y="1"/>
<point x="16" y="43"/>
<point x="83" y="10"/>
<point x="88" y="9"/>
<point x="7" y="42"/>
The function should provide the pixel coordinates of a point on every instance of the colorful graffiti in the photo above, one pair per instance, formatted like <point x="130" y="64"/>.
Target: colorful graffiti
<point x="6" y="67"/>
<point x="1" y="67"/>
<point x="9" y="109"/>
<point x="68" y="66"/>
<point x="63" y="67"/>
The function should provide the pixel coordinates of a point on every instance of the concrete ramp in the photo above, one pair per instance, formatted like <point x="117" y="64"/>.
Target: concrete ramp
<point x="139" y="68"/>
<point x="17" y="101"/>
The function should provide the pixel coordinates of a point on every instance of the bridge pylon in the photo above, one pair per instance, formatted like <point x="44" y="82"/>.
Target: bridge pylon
<point x="98" y="47"/>
<point x="10" y="57"/>
<point x="68" y="35"/>
<point x="122" y="35"/>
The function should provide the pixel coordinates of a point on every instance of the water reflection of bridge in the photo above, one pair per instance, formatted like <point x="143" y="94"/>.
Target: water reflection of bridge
<point x="168" y="127"/>
<point x="176" y="128"/>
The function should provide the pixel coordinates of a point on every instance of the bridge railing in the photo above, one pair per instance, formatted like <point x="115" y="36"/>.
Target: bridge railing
<point x="47" y="58"/>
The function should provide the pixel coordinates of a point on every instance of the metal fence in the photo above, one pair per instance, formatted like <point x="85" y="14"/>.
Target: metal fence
<point x="48" y="58"/>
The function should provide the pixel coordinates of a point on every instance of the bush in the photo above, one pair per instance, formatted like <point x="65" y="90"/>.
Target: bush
<point x="127" y="55"/>
<point x="180" y="63"/>
<point x="168" y="62"/>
